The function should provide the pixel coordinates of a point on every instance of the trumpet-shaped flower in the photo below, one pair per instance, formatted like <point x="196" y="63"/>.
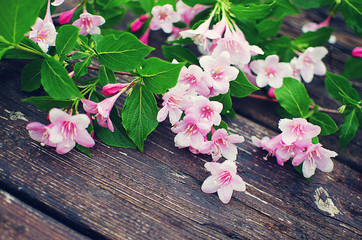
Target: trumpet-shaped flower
<point x="101" y="110"/>
<point x="223" y="180"/>
<point x="193" y="77"/>
<point x="68" y="130"/>
<point x="164" y="17"/>
<point x="310" y="63"/>
<point x="270" y="71"/>
<point x="89" y="24"/>
<point x="65" y="17"/>
<point x="112" y="88"/>
<point x="222" y="144"/>
<point x="190" y="132"/>
<point x="39" y="132"/>
<point x="205" y="110"/>
<point x="187" y="13"/>
<point x="218" y="72"/>
<point x="298" y="131"/>
<point x="315" y="157"/>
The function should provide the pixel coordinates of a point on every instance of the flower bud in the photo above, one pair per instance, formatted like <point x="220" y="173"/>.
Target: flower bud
<point x="65" y="17"/>
<point x="357" y="52"/>
<point x="111" y="89"/>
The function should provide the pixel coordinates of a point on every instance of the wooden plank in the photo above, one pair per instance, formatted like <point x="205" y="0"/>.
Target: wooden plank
<point x="20" y="221"/>
<point x="123" y="193"/>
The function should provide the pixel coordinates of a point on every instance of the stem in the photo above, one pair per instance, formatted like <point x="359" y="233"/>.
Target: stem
<point x="322" y="109"/>
<point x="116" y="72"/>
<point x="26" y="49"/>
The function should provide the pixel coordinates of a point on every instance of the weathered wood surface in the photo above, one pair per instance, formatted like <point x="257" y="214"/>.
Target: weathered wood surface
<point x="121" y="193"/>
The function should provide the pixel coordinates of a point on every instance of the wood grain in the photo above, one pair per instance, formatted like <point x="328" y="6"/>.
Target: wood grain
<point x="19" y="221"/>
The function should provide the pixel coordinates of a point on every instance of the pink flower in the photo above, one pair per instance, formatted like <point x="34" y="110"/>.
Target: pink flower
<point x="357" y="52"/>
<point x="298" y="131"/>
<point x="187" y="13"/>
<point x="138" y="23"/>
<point x="57" y="2"/>
<point x="249" y="75"/>
<point x="40" y="133"/>
<point x="271" y="93"/>
<point x="89" y="23"/>
<point x="190" y="132"/>
<point x="68" y="130"/>
<point x="296" y="71"/>
<point x="315" y="157"/>
<point x="163" y="17"/>
<point x="312" y="27"/>
<point x="65" y="17"/>
<point x="193" y="77"/>
<point x="112" y="88"/>
<point x="270" y="71"/>
<point x="145" y="36"/>
<point x="222" y="144"/>
<point x="102" y="110"/>
<point x="201" y="34"/>
<point x="43" y="31"/>
<point x="174" y="102"/>
<point x="310" y="63"/>
<point x="223" y="180"/>
<point x="218" y="72"/>
<point x="205" y="111"/>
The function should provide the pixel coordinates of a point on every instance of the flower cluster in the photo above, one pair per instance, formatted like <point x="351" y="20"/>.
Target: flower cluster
<point x="295" y="142"/>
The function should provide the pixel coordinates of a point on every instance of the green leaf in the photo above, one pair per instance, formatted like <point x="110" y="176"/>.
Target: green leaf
<point x="140" y="114"/>
<point x="348" y="129"/>
<point x="113" y="16"/>
<point x="225" y="99"/>
<point x="106" y="76"/>
<point x="56" y="81"/>
<point x="280" y="46"/>
<point x="121" y="54"/>
<point x="241" y="87"/>
<point x="192" y="3"/>
<point x="147" y="5"/>
<point x="351" y="11"/>
<point x="269" y="28"/>
<point x="17" y="53"/>
<point x="78" y="55"/>
<point x="293" y="97"/>
<point x="349" y="100"/>
<point x="17" y="16"/>
<point x="336" y="84"/>
<point x="30" y="76"/>
<point x="253" y="11"/>
<point x="313" y="39"/>
<point x="328" y="126"/>
<point x="299" y="169"/>
<point x="80" y="68"/>
<point x="159" y="75"/>
<point x="179" y="53"/>
<point x="45" y="103"/>
<point x="352" y="68"/>
<point x="308" y="4"/>
<point x="66" y="39"/>
<point x="284" y="8"/>
<point x="84" y="150"/>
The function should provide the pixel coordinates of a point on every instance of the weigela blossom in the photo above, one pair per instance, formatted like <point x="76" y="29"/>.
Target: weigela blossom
<point x="175" y="101"/>
<point x="223" y="180"/>
<point x="112" y="88"/>
<point x="298" y="131"/>
<point x="315" y="157"/>
<point x="39" y="132"/>
<point x="296" y="71"/>
<point x="187" y="13"/>
<point x="218" y="72"/>
<point x="164" y="17"/>
<point x="310" y="63"/>
<point x="357" y="52"/>
<point x="205" y="110"/>
<point x="102" y="110"/>
<point x="222" y="144"/>
<point x="270" y="71"/>
<point x="138" y="23"/>
<point x="88" y="23"/>
<point x="192" y="76"/>
<point x="190" y="132"/>
<point x="65" y="17"/>
<point x="43" y="31"/>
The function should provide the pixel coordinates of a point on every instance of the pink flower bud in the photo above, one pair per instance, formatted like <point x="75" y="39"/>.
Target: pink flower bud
<point x="65" y="17"/>
<point x="144" y="37"/>
<point x="138" y="23"/>
<point x="111" y="89"/>
<point x="271" y="92"/>
<point x="357" y="52"/>
<point x="71" y="74"/>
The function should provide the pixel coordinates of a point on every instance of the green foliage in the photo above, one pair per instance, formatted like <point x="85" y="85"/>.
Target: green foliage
<point x="293" y="97"/>
<point x="348" y="129"/>
<point x="252" y="11"/>
<point x="123" y="53"/>
<point x="352" y="13"/>
<point x="45" y="103"/>
<point x="280" y="46"/>
<point x="147" y="5"/>
<point x="30" y="76"/>
<point x="284" y="8"/>
<point x="313" y="39"/>
<point x="308" y="4"/>
<point x="15" y="52"/>
<point x="16" y="18"/>
<point x="80" y="68"/>
<point x="139" y="114"/>
<point x="241" y="87"/>
<point x="66" y="39"/>
<point x="352" y="68"/>
<point x="336" y="84"/>
<point x="159" y="75"/>
<point x="328" y="126"/>
<point x="226" y="101"/>
<point x="269" y="28"/>
<point x="56" y="81"/>
<point x="192" y="3"/>
<point x="181" y="54"/>
<point x="106" y="76"/>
